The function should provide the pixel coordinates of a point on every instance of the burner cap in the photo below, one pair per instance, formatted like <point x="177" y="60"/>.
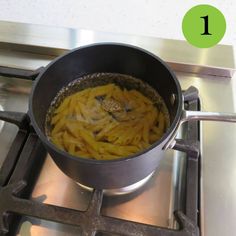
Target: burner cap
<point x="121" y="191"/>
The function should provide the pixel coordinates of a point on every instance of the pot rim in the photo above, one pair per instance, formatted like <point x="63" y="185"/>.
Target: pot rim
<point x="161" y="141"/>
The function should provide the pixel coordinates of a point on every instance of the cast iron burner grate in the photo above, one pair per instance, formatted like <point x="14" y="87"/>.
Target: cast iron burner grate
<point x="24" y="162"/>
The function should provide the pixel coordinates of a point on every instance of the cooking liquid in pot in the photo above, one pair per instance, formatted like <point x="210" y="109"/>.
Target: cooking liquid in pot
<point x="106" y="116"/>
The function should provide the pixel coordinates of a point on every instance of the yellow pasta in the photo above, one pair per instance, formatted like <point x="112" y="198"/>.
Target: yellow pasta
<point x="139" y="96"/>
<point x="56" y="118"/>
<point x="58" y="126"/>
<point x="106" y="122"/>
<point x="63" y="106"/>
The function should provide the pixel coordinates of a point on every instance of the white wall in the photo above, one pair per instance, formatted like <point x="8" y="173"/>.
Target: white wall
<point x="143" y="17"/>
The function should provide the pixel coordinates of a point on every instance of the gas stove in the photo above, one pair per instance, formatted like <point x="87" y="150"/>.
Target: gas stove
<point x="182" y="197"/>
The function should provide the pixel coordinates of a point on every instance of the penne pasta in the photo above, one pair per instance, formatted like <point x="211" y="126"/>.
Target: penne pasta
<point x="58" y="126"/>
<point x="63" y="105"/>
<point x="83" y="126"/>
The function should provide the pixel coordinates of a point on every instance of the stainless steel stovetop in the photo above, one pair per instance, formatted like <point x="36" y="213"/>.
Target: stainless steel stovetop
<point x="29" y="47"/>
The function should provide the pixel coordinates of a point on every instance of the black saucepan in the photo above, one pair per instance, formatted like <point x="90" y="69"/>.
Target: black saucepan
<point x="112" y="58"/>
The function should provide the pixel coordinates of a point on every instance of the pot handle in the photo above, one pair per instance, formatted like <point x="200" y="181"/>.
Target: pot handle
<point x="18" y="118"/>
<point x="213" y="116"/>
<point x="187" y="146"/>
<point x="20" y="73"/>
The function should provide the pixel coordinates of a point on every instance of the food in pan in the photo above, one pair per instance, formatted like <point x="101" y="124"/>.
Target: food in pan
<point x="106" y="122"/>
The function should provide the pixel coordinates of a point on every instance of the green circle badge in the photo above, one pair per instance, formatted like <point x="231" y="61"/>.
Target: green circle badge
<point x="203" y="26"/>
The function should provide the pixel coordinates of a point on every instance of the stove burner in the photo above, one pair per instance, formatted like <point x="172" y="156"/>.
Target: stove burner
<point x="122" y="191"/>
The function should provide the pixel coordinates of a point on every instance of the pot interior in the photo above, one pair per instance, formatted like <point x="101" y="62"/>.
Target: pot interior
<point x="99" y="79"/>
